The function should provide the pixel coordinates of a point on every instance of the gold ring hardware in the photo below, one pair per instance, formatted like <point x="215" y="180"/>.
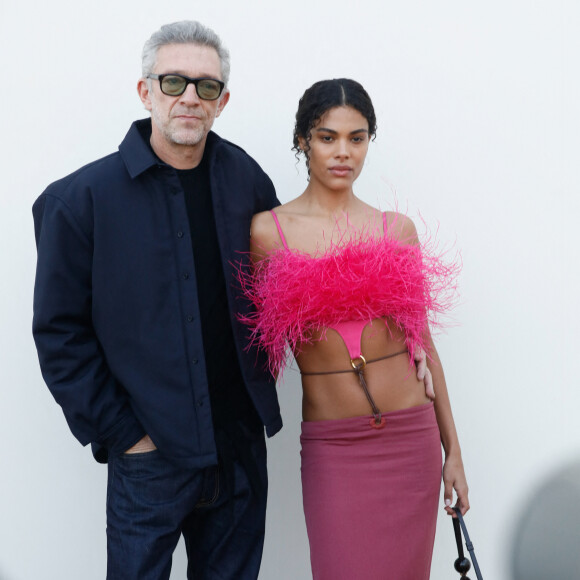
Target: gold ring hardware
<point x="361" y="365"/>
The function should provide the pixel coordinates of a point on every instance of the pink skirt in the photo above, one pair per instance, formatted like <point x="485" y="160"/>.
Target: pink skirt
<point x="371" y="495"/>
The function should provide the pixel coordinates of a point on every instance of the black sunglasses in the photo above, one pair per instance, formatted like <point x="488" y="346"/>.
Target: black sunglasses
<point x="174" y="85"/>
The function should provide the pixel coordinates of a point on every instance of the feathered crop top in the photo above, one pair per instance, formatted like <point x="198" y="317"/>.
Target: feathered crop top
<point x="366" y="278"/>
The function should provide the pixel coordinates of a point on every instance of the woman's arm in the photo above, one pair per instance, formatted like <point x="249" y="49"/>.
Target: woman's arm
<point x="264" y="236"/>
<point x="402" y="227"/>
<point x="453" y="471"/>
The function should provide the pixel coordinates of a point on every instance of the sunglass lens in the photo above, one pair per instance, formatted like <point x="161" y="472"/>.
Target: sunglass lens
<point x="172" y="85"/>
<point x="208" y="89"/>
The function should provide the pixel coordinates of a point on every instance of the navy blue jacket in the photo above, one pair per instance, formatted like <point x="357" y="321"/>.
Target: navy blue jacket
<point x="116" y="319"/>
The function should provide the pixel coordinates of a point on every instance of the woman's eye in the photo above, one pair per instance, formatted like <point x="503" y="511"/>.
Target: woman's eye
<point x="326" y="138"/>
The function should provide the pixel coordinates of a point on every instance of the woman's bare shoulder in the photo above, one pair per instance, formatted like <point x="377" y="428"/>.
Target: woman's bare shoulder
<point x="264" y="236"/>
<point x="262" y="224"/>
<point x="401" y="227"/>
<point x="294" y="207"/>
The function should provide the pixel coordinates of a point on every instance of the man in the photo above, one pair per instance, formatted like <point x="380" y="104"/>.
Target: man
<point x="135" y="325"/>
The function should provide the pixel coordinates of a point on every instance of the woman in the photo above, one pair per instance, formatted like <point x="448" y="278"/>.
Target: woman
<point x="351" y="291"/>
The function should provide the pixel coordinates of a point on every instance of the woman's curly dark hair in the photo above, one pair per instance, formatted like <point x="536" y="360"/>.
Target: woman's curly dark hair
<point x="323" y="96"/>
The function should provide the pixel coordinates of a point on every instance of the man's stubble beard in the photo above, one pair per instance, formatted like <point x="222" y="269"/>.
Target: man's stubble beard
<point x="188" y="137"/>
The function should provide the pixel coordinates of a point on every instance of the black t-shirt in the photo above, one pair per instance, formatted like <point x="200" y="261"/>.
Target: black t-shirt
<point x="228" y="395"/>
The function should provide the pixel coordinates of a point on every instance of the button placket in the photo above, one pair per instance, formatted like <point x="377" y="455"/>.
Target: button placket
<point x="186" y="273"/>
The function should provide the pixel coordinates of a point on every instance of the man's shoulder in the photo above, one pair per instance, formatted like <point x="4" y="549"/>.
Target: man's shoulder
<point x="92" y="175"/>
<point x="231" y="167"/>
<point x="232" y="152"/>
<point x="217" y="141"/>
<point x="108" y="171"/>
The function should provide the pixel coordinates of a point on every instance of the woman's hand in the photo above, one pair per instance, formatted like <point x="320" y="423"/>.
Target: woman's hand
<point x="423" y="372"/>
<point x="454" y="478"/>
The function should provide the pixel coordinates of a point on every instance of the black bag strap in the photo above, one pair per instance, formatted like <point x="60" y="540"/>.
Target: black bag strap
<point x="462" y="564"/>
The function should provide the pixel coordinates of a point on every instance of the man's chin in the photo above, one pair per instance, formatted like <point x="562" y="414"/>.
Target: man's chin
<point x="187" y="138"/>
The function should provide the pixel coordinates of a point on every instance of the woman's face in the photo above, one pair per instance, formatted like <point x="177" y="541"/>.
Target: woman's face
<point x="338" y="146"/>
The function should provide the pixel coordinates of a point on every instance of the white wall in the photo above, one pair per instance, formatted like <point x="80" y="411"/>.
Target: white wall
<point x="479" y="128"/>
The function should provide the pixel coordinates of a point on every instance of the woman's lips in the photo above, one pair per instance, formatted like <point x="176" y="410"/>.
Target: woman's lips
<point x="340" y="170"/>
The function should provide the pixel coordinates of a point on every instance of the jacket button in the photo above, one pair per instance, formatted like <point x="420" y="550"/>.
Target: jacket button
<point x="190" y="318"/>
<point x="180" y="234"/>
<point x="185" y="275"/>
<point x="194" y="361"/>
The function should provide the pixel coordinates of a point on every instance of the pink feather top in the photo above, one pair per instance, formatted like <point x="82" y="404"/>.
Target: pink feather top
<point x="363" y="279"/>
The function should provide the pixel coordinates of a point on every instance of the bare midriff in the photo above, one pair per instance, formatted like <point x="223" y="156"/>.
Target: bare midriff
<point x="392" y="382"/>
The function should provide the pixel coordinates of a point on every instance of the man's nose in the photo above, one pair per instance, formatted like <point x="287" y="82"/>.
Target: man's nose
<point x="190" y="96"/>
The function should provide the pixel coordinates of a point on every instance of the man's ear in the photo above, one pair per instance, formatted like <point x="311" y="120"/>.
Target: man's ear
<point x="224" y="98"/>
<point x="144" y="93"/>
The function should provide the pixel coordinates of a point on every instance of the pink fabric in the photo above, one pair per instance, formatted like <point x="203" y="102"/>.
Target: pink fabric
<point x="351" y="333"/>
<point x="351" y="330"/>
<point x="364" y="278"/>
<point x="279" y="228"/>
<point x="371" y="495"/>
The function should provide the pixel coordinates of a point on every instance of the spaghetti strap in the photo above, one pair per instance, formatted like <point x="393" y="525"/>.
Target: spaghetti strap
<point x="279" y="229"/>
<point x="385" y="224"/>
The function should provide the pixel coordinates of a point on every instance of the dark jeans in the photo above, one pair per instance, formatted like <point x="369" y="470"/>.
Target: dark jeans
<point x="220" y="511"/>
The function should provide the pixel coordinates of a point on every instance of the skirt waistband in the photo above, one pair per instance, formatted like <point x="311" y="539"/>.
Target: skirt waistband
<point x="402" y="419"/>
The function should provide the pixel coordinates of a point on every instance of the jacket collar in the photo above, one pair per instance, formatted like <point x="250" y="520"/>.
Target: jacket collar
<point x="136" y="151"/>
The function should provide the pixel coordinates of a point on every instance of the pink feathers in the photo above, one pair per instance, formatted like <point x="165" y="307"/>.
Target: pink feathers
<point x="363" y="279"/>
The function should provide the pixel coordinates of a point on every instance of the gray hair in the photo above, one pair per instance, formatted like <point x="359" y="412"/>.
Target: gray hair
<point x="184" y="32"/>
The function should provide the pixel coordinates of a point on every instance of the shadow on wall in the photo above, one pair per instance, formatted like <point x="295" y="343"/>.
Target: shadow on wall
<point x="546" y="542"/>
